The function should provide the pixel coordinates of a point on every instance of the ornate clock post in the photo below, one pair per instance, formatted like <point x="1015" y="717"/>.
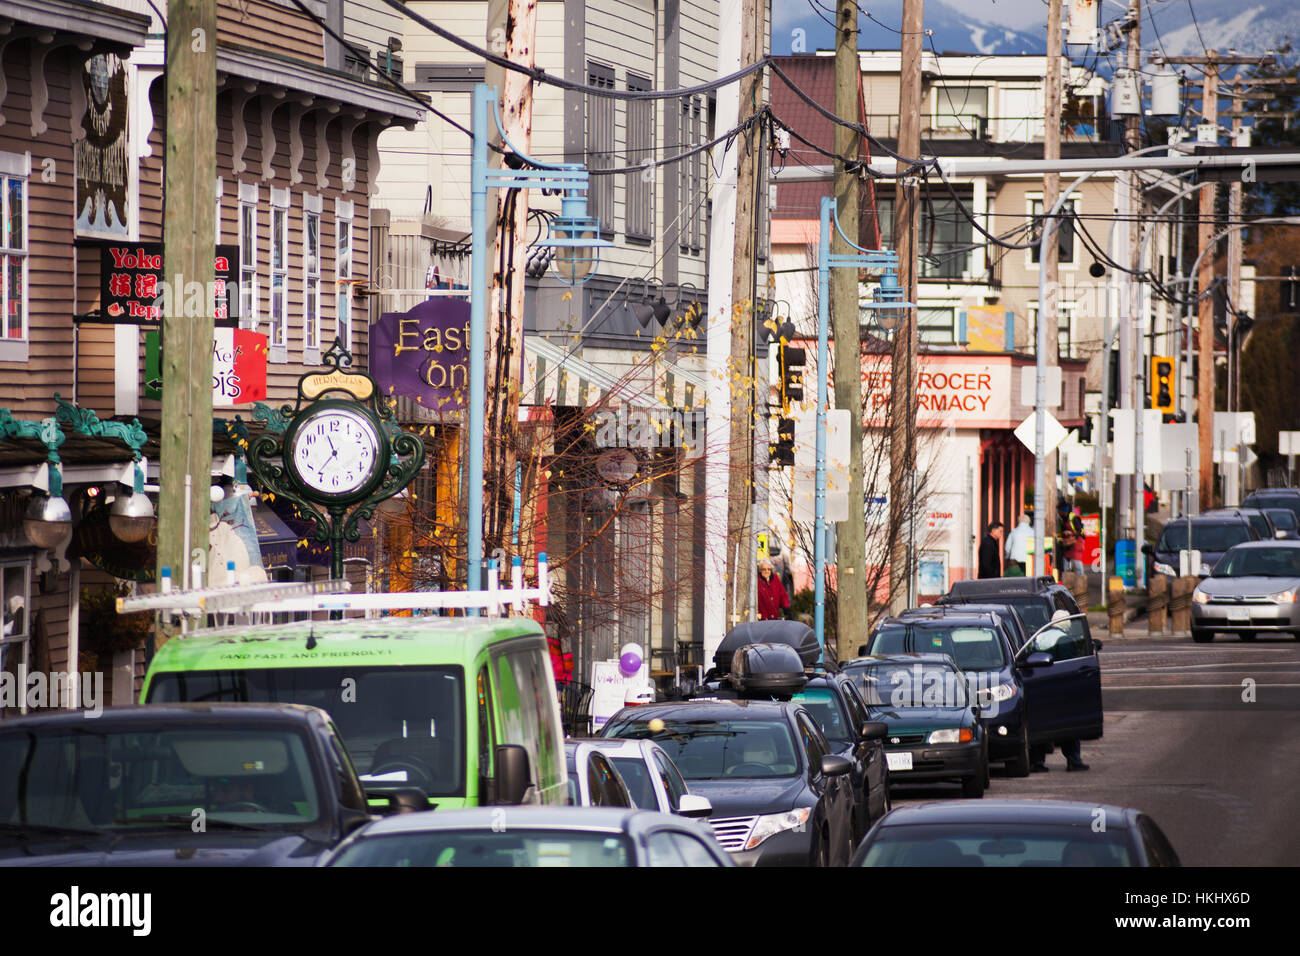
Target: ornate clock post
<point x="340" y="456"/>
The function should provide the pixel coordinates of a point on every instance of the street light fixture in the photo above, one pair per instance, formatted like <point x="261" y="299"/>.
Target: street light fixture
<point x="48" y="521"/>
<point x="132" y="516"/>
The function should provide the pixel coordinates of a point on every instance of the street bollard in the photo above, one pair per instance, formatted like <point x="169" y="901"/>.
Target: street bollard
<point x="1067" y="581"/>
<point x="1080" y="591"/>
<point x="1115" y="606"/>
<point x="1180" y="605"/>
<point x="1157" y="602"/>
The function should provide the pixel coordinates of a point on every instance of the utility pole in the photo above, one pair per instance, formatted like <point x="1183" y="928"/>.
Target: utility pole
<point x="1047" y="311"/>
<point x="512" y="25"/>
<point x="1234" y="259"/>
<point x="902" y="391"/>
<point x="741" y="555"/>
<point x="850" y="535"/>
<point x="1131" y="336"/>
<point x="185" y="453"/>
<point x="1205" y="316"/>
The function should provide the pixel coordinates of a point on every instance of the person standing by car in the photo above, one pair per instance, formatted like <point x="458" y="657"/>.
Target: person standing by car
<point x="772" y="597"/>
<point x="1071" y="533"/>
<point x="1018" y="546"/>
<point x="990" y="565"/>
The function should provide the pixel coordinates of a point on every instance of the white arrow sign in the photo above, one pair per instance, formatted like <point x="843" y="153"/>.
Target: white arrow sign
<point x="1053" y="432"/>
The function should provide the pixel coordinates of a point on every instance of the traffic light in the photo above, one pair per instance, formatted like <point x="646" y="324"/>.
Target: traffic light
<point x="1163" y="387"/>
<point x="791" y="362"/>
<point x="781" y="454"/>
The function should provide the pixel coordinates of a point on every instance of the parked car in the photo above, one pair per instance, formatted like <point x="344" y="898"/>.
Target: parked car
<point x="840" y="711"/>
<point x="532" y="836"/>
<point x="934" y="731"/>
<point x="1284" y="520"/>
<point x="780" y="796"/>
<point x="177" y="785"/>
<point x="651" y="777"/>
<point x="1035" y="599"/>
<point x="1288" y="498"/>
<point x="1255" y="589"/>
<point x="1016" y="833"/>
<point x="983" y="644"/>
<point x="1258" y="518"/>
<point x="1212" y="535"/>
<point x="465" y="709"/>
<point x="593" y="780"/>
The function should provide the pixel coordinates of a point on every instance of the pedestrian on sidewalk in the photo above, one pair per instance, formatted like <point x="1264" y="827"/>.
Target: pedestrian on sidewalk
<point x="990" y="565"/>
<point x="1018" y="547"/>
<point x="773" y="600"/>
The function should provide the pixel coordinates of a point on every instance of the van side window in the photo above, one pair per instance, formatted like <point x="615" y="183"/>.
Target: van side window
<point x="486" y="739"/>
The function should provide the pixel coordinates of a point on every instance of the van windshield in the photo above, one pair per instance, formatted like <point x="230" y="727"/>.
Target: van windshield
<point x="403" y="727"/>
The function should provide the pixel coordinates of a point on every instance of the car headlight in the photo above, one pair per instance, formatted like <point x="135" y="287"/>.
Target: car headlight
<point x="1200" y="597"/>
<point x="1003" y="692"/>
<point x="771" y="824"/>
<point x="952" y="735"/>
<point x="1165" y="569"/>
<point x="1285" y="597"/>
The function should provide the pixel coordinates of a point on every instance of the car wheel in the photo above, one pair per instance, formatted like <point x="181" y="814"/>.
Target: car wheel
<point x="1018" y="766"/>
<point x="973" y="786"/>
<point x="1201" y="636"/>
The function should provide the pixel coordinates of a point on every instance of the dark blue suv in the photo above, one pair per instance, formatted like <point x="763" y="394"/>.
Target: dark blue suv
<point x="983" y="642"/>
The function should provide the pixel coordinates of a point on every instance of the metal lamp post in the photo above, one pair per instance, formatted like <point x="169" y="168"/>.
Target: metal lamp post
<point x="578" y="247"/>
<point x="887" y="300"/>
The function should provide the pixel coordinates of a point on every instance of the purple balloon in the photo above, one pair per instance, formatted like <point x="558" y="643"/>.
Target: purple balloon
<point x="630" y="664"/>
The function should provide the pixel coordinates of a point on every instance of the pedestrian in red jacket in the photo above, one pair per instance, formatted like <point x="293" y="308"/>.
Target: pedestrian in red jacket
<point x="772" y="599"/>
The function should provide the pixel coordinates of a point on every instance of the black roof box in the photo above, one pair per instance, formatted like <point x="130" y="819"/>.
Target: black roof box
<point x="796" y="634"/>
<point x="774" y="670"/>
<point x="972" y="587"/>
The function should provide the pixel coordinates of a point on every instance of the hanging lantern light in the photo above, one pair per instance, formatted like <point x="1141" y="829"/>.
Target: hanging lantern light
<point x="132" y="516"/>
<point x="577" y="241"/>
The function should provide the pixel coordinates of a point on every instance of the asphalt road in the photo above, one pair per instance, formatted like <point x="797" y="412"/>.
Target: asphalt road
<point x="1203" y="737"/>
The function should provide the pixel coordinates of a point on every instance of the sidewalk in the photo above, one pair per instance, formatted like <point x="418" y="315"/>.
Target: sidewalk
<point x="1134" y="628"/>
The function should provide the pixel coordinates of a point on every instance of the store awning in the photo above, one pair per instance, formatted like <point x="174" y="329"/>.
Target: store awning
<point x="276" y="540"/>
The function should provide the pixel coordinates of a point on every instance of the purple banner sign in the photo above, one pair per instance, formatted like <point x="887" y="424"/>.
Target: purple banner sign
<point x="424" y="353"/>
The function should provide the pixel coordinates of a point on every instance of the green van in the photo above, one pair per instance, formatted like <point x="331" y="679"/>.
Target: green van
<point x="464" y="708"/>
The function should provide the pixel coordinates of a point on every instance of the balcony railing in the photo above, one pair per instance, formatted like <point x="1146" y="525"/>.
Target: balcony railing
<point x="977" y="128"/>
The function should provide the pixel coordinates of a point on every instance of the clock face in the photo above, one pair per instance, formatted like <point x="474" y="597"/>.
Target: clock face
<point x="335" y="451"/>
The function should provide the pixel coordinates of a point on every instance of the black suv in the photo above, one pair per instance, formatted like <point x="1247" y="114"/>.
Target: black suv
<point x="1288" y="498"/>
<point x="1035" y="599"/>
<point x="178" y="785"/>
<point x="982" y="640"/>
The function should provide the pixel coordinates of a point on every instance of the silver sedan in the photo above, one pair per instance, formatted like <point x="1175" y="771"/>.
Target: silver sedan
<point x="1253" y="590"/>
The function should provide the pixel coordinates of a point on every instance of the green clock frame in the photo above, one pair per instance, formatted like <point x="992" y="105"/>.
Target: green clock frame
<point x="399" y="455"/>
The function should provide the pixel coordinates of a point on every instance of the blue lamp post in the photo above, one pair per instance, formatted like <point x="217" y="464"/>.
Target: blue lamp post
<point x="888" y="300"/>
<point x="577" y="251"/>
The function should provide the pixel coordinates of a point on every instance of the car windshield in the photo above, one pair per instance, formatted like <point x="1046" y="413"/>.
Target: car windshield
<point x="1259" y="562"/>
<point x="918" y="684"/>
<point x="637" y="777"/>
<point x="1284" y="519"/>
<point x="97" y="777"/>
<point x="704" y="748"/>
<point x="506" y="846"/>
<point x="403" y="726"/>
<point x="971" y="647"/>
<point x="1010" y="844"/>
<point x="1289" y="503"/>
<point x="821" y="703"/>
<point x="1211" y="537"/>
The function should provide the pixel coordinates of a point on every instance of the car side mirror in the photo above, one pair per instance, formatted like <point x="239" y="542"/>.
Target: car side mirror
<point x="1096" y="644"/>
<point x="400" y="799"/>
<point x="351" y="820"/>
<point x="694" y="805"/>
<point x="833" y="765"/>
<point x="514" y="774"/>
<point x="1039" y="659"/>
<point x="874" y="729"/>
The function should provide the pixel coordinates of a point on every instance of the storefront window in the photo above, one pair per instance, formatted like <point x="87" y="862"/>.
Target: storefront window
<point x="15" y="579"/>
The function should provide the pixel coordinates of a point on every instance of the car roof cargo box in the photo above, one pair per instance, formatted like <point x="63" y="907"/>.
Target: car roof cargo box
<point x="794" y="633"/>
<point x="774" y="670"/>
<point x="978" y="587"/>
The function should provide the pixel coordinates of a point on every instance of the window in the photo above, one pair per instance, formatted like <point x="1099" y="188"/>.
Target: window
<point x="485" y="737"/>
<point x="946" y="238"/>
<point x="814" y="745"/>
<point x="936" y="326"/>
<point x="13" y="255"/>
<point x="640" y="149"/>
<point x="600" y="145"/>
<point x="1064" y="230"/>
<point x="279" y="268"/>
<point x="354" y="64"/>
<point x="963" y="109"/>
<point x="1065" y="330"/>
<point x="343" y="269"/>
<point x="16" y="585"/>
<point x="692" y="182"/>
<point x="216" y="218"/>
<point x="673" y="783"/>
<point x="248" y="256"/>
<point x="311" y="284"/>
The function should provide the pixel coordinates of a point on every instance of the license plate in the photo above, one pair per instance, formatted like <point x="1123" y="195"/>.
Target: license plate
<point x="902" y="761"/>
<point x="1239" y="614"/>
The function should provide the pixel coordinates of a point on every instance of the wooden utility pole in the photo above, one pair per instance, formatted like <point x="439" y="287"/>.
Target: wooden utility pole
<point x="1047" y="311"/>
<point x="850" y="537"/>
<point x="1205" y="312"/>
<point x="741" y="553"/>
<point x="511" y="29"/>
<point x="1130" y="486"/>
<point x="1234" y="268"/>
<point x="185" y="453"/>
<point x="902" y="392"/>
